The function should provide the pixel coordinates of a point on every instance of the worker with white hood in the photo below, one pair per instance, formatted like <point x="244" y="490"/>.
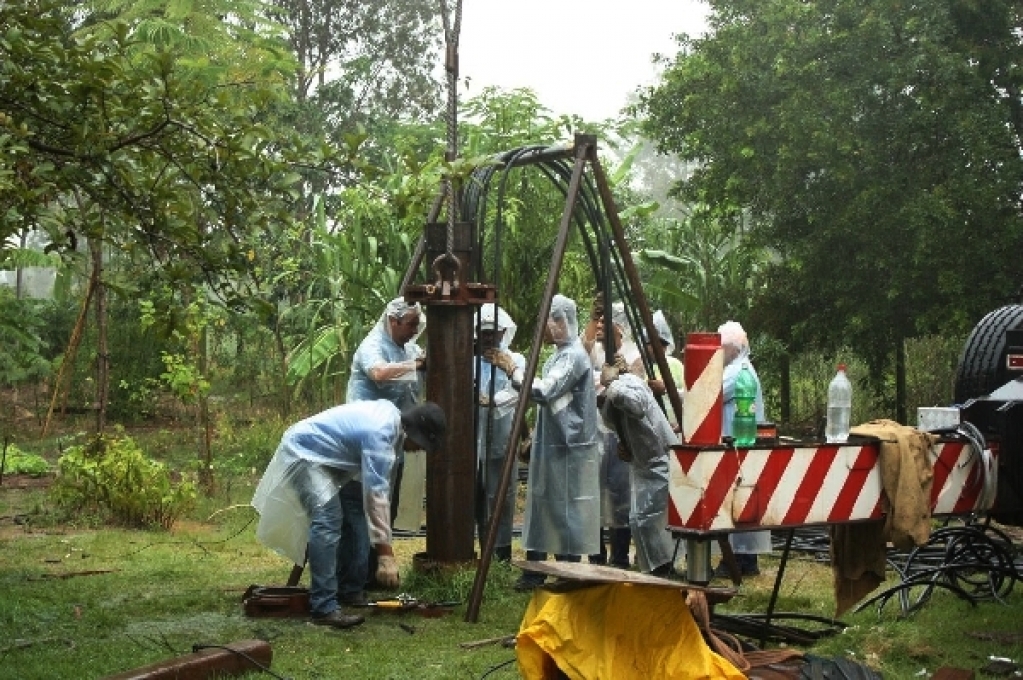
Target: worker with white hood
<point x="563" y="496"/>
<point x="631" y="410"/>
<point x="387" y="365"/>
<point x="300" y="510"/>
<point x="735" y="347"/>
<point x="500" y="375"/>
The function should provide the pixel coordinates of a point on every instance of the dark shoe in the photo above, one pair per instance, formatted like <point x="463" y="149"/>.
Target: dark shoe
<point x="357" y="599"/>
<point x="503" y="553"/>
<point x="748" y="564"/>
<point x="336" y="619"/>
<point x="528" y="583"/>
<point x="747" y="567"/>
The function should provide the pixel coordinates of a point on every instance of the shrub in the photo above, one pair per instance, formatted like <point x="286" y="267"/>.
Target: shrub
<point x="17" y="462"/>
<point x="110" y="475"/>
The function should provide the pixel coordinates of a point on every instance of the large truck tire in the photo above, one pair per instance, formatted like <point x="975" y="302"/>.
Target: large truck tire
<point x="981" y="367"/>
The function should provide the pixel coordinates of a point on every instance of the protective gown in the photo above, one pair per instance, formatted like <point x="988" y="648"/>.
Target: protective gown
<point x="614" y="472"/>
<point x="630" y="408"/>
<point x="316" y="456"/>
<point x="495" y="416"/>
<point x="397" y="379"/>
<point x="677" y="368"/>
<point x="563" y="497"/>
<point x="745" y="541"/>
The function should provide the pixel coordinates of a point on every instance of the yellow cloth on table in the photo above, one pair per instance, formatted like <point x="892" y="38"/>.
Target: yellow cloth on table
<point x="858" y="555"/>
<point x="618" y="631"/>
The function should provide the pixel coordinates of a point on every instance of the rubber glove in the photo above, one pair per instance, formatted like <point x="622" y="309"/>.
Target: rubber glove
<point x="501" y="359"/>
<point x="387" y="571"/>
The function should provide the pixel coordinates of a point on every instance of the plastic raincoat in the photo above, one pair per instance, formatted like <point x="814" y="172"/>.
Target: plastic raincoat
<point x="495" y="418"/>
<point x="630" y="408"/>
<point x="732" y="334"/>
<point x="563" y="497"/>
<point x="316" y="456"/>
<point x="382" y="369"/>
<point x="614" y="472"/>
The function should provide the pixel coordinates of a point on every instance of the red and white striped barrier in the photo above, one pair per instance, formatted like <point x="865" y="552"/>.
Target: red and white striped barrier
<point x="713" y="490"/>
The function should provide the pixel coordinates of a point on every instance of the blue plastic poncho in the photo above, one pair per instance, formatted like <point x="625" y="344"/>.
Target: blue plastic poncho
<point x="495" y="419"/>
<point x="735" y="342"/>
<point x="630" y="408"/>
<point x="360" y="440"/>
<point x="381" y="369"/>
<point x="563" y="497"/>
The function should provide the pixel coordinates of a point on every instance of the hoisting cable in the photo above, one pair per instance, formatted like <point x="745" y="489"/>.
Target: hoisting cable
<point x="451" y="119"/>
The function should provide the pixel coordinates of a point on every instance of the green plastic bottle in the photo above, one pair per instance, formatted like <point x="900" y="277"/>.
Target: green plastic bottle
<point x="744" y="422"/>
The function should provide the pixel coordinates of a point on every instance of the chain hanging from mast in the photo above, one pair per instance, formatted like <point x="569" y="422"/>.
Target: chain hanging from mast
<point x="451" y="32"/>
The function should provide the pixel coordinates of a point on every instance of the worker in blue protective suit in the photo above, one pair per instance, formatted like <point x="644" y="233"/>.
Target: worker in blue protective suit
<point x="616" y="537"/>
<point x="675" y="366"/>
<point x="387" y="362"/>
<point x="500" y="375"/>
<point x="735" y="347"/>
<point x="563" y="493"/>
<point x="631" y="410"/>
<point x="386" y="365"/>
<point x="300" y="511"/>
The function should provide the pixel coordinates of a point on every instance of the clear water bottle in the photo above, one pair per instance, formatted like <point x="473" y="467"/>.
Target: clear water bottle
<point x="744" y="422"/>
<point x="839" y="408"/>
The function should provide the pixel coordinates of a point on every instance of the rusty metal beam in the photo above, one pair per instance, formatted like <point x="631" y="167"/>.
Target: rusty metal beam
<point x="451" y="471"/>
<point x="634" y="281"/>
<point x="236" y="658"/>
<point x="583" y="149"/>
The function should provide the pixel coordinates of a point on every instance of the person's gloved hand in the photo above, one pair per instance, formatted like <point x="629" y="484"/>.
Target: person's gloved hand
<point x="620" y="363"/>
<point x="525" y="447"/>
<point x="624" y="454"/>
<point x="387" y="572"/>
<point x="501" y="359"/>
<point x="608" y="374"/>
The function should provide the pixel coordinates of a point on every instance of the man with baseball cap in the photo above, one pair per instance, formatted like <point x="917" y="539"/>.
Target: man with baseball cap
<point x="297" y="499"/>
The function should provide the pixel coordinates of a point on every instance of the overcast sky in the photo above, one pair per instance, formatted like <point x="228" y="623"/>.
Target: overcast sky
<point x="579" y="56"/>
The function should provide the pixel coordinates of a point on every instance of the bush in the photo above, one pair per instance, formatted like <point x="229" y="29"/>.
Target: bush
<point x="17" y="462"/>
<point x="111" y="475"/>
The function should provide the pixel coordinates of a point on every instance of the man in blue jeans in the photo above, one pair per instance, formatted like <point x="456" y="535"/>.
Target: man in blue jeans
<point x="301" y="509"/>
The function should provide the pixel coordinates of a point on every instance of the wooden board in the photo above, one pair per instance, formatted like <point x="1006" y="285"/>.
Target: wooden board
<point x="597" y="573"/>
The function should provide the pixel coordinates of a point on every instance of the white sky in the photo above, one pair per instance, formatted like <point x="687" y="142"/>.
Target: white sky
<point x="579" y="56"/>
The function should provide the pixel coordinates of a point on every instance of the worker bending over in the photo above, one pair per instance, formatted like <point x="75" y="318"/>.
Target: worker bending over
<point x="300" y="512"/>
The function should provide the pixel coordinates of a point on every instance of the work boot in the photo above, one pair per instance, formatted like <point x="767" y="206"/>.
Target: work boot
<point x="336" y="619"/>
<point x="503" y="553"/>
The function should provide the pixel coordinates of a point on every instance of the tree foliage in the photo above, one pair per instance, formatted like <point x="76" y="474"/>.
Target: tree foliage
<point x="875" y="147"/>
<point x="138" y="147"/>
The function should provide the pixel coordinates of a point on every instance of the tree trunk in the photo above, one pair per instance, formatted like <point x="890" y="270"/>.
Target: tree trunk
<point x="72" y="350"/>
<point x="205" y="431"/>
<point x="900" y="380"/>
<point x="102" y="349"/>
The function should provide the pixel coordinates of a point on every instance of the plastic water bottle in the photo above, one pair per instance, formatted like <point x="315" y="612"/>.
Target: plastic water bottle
<point x="744" y="422"/>
<point x="839" y="408"/>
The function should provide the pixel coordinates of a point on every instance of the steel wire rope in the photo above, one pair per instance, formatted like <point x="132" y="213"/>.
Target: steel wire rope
<point x="451" y="34"/>
<point x="496" y="278"/>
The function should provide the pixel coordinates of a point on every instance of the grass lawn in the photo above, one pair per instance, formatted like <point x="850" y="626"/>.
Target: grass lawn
<point x="86" y="602"/>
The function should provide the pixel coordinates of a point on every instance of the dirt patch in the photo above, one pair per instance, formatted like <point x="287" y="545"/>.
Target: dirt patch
<point x="17" y="481"/>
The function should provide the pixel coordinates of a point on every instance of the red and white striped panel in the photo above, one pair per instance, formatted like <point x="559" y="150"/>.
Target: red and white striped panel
<point x="716" y="490"/>
<point x="958" y="479"/>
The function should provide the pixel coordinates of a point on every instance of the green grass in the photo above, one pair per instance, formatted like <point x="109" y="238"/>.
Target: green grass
<point x="163" y="592"/>
<point x="167" y="591"/>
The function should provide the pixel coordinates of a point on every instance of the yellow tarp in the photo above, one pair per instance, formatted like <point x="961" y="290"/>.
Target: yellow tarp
<point x="619" y="631"/>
